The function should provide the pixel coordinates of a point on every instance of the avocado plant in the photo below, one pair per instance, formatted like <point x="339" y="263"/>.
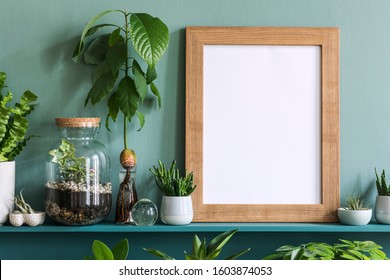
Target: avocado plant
<point x="121" y="57"/>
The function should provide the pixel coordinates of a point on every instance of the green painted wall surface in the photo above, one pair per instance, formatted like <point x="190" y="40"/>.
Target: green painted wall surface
<point x="38" y="38"/>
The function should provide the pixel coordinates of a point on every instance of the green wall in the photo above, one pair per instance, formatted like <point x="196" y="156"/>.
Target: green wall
<point x="38" y="38"/>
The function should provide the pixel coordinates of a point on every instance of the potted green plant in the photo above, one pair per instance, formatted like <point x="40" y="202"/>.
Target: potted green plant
<point x="382" y="202"/>
<point x="203" y="251"/>
<point x="125" y="60"/>
<point x="176" y="203"/>
<point x="25" y="213"/>
<point x="13" y="128"/>
<point x="356" y="212"/>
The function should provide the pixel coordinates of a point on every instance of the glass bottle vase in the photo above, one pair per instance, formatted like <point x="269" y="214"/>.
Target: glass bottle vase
<point x="127" y="197"/>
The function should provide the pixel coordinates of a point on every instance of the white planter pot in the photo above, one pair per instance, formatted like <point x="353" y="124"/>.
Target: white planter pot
<point x="176" y="210"/>
<point x="382" y="209"/>
<point x="354" y="217"/>
<point x="7" y="189"/>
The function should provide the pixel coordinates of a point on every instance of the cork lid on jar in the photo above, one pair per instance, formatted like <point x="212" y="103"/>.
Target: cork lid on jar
<point x="77" y="122"/>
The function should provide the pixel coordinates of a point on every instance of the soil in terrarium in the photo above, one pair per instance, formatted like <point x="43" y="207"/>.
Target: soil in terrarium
<point x="72" y="203"/>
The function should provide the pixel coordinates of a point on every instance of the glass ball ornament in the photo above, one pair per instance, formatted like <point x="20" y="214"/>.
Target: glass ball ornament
<point x="144" y="212"/>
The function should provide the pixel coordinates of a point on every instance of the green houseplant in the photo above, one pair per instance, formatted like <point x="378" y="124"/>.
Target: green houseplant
<point x="176" y="203"/>
<point x="347" y="250"/>
<point x="170" y="182"/>
<point x="102" y="252"/>
<point x="382" y="202"/>
<point x="125" y="60"/>
<point x="119" y="77"/>
<point x="13" y="122"/>
<point x="13" y="130"/>
<point x="356" y="212"/>
<point x="203" y="251"/>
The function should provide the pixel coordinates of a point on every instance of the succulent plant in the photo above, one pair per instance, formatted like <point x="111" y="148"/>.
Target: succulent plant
<point x="170" y="182"/>
<point x="21" y="204"/>
<point x="381" y="184"/>
<point x="355" y="202"/>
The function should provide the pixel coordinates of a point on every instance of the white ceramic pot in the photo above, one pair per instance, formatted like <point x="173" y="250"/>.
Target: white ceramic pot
<point x="176" y="210"/>
<point x="354" y="217"/>
<point x="35" y="219"/>
<point x="7" y="189"/>
<point x="382" y="209"/>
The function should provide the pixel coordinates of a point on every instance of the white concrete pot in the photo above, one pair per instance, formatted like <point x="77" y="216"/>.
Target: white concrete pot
<point x="354" y="217"/>
<point x="382" y="209"/>
<point x="7" y="189"/>
<point x="176" y="210"/>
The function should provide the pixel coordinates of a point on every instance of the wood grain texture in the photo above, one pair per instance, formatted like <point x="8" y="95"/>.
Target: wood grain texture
<point x="328" y="40"/>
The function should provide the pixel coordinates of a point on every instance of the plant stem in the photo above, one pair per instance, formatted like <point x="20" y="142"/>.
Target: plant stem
<point x="127" y="74"/>
<point x="124" y="131"/>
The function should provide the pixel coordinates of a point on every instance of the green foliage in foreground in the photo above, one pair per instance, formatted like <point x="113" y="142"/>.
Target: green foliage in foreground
<point x="203" y="251"/>
<point x="347" y="250"/>
<point x="102" y="252"/>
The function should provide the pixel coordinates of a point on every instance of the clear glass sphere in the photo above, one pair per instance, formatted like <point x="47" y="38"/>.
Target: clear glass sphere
<point x="144" y="212"/>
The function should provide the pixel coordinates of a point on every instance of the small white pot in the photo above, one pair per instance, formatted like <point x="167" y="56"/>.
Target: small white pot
<point x="176" y="210"/>
<point x="7" y="189"/>
<point x="382" y="209"/>
<point x="33" y="220"/>
<point x="354" y="217"/>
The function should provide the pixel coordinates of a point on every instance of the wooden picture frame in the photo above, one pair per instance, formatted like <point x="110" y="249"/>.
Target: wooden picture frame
<point x="217" y="203"/>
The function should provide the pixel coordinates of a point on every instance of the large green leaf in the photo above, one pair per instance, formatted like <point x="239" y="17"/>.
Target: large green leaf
<point x="238" y="254"/>
<point x="113" y="109"/>
<point x="3" y="77"/>
<point x="141" y="119"/>
<point x="121" y="250"/>
<point x="18" y="149"/>
<point x="16" y="133"/>
<point x="24" y="107"/>
<point x="100" y="69"/>
<point x="139" y="80"/>
<point x="150" y="37"/>
<point x="128" y="97"/>
<point x="219" y="241"/>
<point x="97" y="49"/>
<point x="151" y="74"/>
<point x="4" y="117"/>
<point x="90" y="29"/>
<point x="155" y="91"/>
<point x="158" y="254"/>
<point x="102" y="87"/>
<point x="116" y="56"/>
<point x="101" y="251"/>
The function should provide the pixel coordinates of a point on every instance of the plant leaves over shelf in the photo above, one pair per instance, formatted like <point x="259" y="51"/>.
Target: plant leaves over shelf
<point x="127" y="97"/>
<point x="150" y="37"/>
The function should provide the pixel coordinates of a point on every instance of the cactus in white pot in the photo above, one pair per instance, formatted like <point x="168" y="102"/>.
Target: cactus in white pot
<point x="382" y="203"/>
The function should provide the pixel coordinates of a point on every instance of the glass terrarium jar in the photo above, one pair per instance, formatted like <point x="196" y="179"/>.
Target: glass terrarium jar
<point x="78" y="187"/>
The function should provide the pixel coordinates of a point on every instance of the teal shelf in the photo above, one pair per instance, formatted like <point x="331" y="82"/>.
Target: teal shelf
<point x="202" y="227"/>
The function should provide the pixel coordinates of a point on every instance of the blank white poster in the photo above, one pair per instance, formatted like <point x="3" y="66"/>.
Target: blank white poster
<point x="261" y="124"/>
